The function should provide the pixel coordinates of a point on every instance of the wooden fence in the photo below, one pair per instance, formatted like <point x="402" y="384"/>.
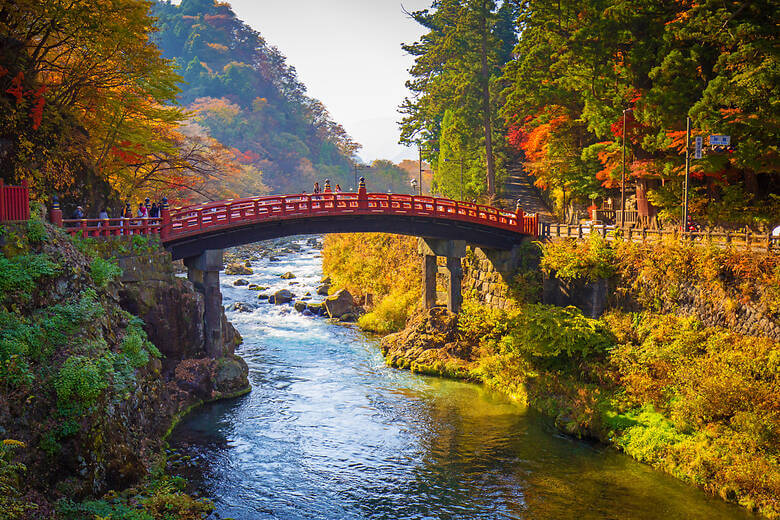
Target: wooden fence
<point x="746" y="240"/>
<point x="14" y="202"/>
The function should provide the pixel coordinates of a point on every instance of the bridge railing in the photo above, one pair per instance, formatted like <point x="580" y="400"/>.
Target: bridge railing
<point x="112" y="227"/>
<point x="195" y="219"/>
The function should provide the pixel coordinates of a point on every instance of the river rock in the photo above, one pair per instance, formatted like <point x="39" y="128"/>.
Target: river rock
<point x="339" y="304"/>
<point x="242" y="307"/>
<point x="323" y="289"/>
<point x="287" y="276"/>
<point x="247" y="264"/>
<point x="326" y="280"/>
<point x="300" y="306"/>
<point x="348" y="317"/>
<point x="283" y="296"/>
<point x="255" y="287"/>
<point x="241" y="282"/>
<point x="318" y="309"/>
<point x="274" y="259"/>
<point x="236" y="268"/>
<point x="262" y="296"/>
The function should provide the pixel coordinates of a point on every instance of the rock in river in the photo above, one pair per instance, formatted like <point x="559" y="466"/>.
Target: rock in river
<point x="236" y="268"/>
<point x="283" y="296"/>
<point x="242" y="307"/>
<point x="241" y="281"/>
<point x="339" y="304"/>
<point x="287" y="276"/>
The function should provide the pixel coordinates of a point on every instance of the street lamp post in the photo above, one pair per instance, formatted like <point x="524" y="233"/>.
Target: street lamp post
<point x="420" y="150"/>
<point x="623" y="174"/>
<point x="687" y="173"/>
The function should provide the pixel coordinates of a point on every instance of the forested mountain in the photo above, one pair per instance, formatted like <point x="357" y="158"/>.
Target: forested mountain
<point x="241" y="92"/>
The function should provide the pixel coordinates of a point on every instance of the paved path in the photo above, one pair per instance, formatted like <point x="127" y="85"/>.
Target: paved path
<point x="518" y="187"/>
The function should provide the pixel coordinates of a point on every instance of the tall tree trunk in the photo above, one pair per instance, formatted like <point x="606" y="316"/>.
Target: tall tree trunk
<point x="491" y="176"/>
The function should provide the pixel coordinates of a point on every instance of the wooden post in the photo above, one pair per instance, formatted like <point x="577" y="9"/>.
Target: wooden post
<point x="362" y="194"/>
<point x="2" y="200"/>
<point x="165" y="220"/>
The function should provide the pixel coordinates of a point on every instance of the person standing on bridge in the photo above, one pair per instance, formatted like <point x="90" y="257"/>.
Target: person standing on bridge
<point x="338" y="188"/>
<point x="316" y="190"/>
<point x="154" y="211"/>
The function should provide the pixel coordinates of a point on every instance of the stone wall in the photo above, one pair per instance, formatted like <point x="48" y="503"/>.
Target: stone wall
<point x="491" y="276"/>
<point x="488" y="274"/>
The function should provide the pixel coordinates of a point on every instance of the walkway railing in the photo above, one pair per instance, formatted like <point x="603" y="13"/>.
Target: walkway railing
<point x="740" y="240"/>
<point x="199" y="218"/>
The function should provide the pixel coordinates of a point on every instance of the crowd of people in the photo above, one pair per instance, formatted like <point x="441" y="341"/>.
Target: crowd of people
<point x="146" y="209"/>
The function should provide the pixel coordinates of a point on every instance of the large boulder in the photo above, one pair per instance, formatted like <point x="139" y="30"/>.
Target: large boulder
<point x="236" y="268"/>
<point x="283" y="296"/>
<point x="339" y="304"/>
<point x="287" y="276"/>
<point x="300" y="306"/>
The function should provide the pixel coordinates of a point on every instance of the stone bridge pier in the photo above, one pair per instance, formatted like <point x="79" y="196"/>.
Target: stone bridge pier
<point x="203" y="272"/>
<point x="453" y="251"/>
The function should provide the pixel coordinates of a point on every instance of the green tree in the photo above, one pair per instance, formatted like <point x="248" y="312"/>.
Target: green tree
<point x="457" y="65"/>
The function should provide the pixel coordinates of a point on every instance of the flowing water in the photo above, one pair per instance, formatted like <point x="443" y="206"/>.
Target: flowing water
<point x="329" y="432"/>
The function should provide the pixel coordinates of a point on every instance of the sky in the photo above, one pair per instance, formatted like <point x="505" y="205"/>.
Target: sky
<point x="348" y="54"/>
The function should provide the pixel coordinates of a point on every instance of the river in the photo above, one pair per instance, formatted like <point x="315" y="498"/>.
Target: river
<point x="329" y="432"/>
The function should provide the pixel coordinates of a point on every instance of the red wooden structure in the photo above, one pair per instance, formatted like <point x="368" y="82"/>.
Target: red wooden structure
<point x="14" y="202"/>
<point x="191" y="221"/>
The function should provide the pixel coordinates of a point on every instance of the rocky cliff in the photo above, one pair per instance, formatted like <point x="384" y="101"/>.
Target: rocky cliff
<point x="96" y="365"/>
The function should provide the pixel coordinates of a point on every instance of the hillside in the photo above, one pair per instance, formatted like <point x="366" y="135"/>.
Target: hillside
<point x="244" y="94"/>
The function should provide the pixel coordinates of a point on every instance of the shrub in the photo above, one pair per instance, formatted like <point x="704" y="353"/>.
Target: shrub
<point x="104" y="271"/>
<point x="652" y="436"/>
<point x="544" y="331"/>
<point x="13" y="504"/>
<point x="391" y="313"/>
<point x="19" y="275"/>
<point x="36" y="231"/>
<point x="592" y="259"/>
<point x="81" y="378"/>
<point x="136" y="347"/>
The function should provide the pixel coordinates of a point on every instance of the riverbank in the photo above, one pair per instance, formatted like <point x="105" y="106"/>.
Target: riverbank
<point x="101" y="349"/>
<point x="330" y="431"/>
<point x="698" y="402"/>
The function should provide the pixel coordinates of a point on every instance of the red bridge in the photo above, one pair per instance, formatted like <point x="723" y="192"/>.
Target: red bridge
<point x="187" y="232"/>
